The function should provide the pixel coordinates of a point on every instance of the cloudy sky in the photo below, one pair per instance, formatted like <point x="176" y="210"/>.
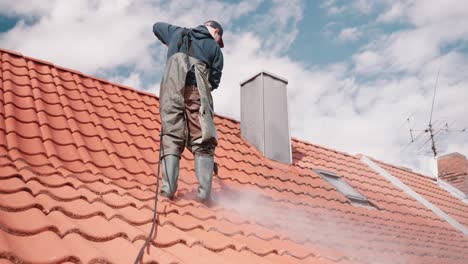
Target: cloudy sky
<point x="356" y="69"/>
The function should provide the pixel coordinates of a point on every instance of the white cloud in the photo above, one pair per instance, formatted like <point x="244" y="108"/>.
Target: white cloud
<point x="368" y="62"/>
<point x="278" y="26"/>
<point x="432" y="26"/>
<point x="357" y="6"/>
<point x="327" y="3"/>
<point x="421" y="13"/>
<point x="25" y="8"/>
<point x="393" y="13"/>
<point x="133" y="80"/>
<point x="350" y="34"/>
<point x="332" y="8"/>
<point x="363" y="6"/>
<point x="335" y="10"/>
<point x="101" y="35"/>
<point x="357" y="105"/>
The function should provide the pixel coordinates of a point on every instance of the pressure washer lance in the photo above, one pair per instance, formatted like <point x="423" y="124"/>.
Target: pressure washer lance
<point x="155" y="215"/>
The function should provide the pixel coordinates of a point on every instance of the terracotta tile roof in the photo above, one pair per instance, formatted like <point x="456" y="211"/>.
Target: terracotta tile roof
<point x="77" y="176"/>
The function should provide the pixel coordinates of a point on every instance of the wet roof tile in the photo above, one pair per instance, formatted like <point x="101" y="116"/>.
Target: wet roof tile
<point x="78" y="155"/>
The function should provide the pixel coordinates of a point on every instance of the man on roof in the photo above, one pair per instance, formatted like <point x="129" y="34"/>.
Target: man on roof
<point x="193" y="70"/>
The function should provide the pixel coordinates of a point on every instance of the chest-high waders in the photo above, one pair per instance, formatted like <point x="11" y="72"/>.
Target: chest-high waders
<point x="176" y="131"/>
<point x="179" y="119"/>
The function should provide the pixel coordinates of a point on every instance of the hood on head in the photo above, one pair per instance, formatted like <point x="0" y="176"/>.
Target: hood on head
<point x="200" y="32"/>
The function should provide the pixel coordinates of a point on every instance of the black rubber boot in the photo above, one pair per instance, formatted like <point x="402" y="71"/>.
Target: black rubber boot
<point x="170" y="169"/>
<point x="204" y="170"/>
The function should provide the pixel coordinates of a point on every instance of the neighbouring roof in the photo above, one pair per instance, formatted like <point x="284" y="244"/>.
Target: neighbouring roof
<point x="78" y="160"/>
<point x="432" y="191"/>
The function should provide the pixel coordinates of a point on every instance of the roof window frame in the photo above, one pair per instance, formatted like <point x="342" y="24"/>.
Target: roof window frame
<point x="344" y="188"/>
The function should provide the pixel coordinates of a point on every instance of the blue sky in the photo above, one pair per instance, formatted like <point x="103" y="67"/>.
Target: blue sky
<point x="356" y="69"/>
<point x="313" y="45"/>
<point x="6" y="23"/>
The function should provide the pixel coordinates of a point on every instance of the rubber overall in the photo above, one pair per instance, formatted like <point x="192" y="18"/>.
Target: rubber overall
<point x="181" y="105"/>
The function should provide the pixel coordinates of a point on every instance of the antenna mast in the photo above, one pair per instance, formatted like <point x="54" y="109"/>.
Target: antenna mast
<point x="430" y="129"/>
<point x="433" y="128"/>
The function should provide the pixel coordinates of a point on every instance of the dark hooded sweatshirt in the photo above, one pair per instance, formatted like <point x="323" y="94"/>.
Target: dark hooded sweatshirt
<point x="203" y="48"/>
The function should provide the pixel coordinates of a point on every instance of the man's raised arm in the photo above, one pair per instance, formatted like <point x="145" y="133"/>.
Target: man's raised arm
<point x="164" y="31"/>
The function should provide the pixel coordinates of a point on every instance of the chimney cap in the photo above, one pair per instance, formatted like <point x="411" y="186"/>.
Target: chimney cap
<point x="266" y="73"/>
<point x="451" y="155"/>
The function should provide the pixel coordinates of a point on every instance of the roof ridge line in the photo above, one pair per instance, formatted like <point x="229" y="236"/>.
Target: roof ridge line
<point x="400" y="168"/>
<point x="18" y="54"/>
<point x="12" y="52"/>
<point x="323" y="147"/>
<point x="228" y="118"/>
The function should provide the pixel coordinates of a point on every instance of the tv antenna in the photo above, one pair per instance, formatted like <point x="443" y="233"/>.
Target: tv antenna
<point x="433" y="129"/>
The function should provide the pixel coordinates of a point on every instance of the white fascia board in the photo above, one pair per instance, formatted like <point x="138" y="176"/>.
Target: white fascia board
<point x="395" y="181"/>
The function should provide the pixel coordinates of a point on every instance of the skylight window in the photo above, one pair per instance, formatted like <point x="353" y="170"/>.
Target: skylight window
<point x="344" y="188"/>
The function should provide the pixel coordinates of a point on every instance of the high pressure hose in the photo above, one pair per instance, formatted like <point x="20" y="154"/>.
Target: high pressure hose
<point x="155" y="215"/>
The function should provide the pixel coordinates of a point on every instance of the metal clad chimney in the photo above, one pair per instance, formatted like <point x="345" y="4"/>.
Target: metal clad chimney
<point x="264" y="115"/>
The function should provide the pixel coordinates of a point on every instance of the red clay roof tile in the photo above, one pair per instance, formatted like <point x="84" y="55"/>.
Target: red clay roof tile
<point x="78" y="155"/>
